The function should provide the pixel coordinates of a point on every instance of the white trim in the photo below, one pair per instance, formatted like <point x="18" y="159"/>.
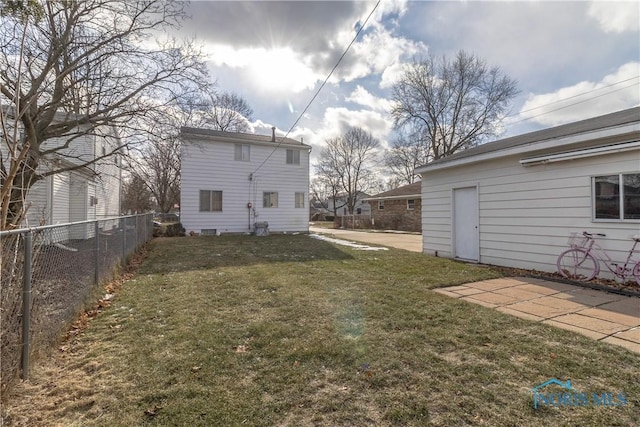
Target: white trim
<point x="580" y="154"/>
<point x="621" y="218"/>
<point x="552" y="143"/>
<point x="408" y="196"/>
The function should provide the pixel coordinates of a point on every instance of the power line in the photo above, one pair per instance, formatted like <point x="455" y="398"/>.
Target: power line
<point x="575" y="96"/>
<point x="321" y="86"/>
<point x="570" y="105"/>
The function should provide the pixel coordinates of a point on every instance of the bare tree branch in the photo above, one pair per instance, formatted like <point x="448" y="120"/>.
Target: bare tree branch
<point x="70" y="70"/>
<point x="347" y="165"/>
<point x="454" y="104"/>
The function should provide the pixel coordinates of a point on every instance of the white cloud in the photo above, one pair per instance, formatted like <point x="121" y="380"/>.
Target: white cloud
<point x="363" y="97"/>
<point x="375" y="52"/>
<point x="338" y="119"/>
<point x="277" y="70"/>
<point x="391" y="75"/>
<point x="616" y="91"/>
<point x="616" y="17"/>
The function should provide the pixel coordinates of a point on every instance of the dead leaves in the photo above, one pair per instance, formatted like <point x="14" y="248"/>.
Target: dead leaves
<point x="241" y="348"/>
<point x="153" y="411"/>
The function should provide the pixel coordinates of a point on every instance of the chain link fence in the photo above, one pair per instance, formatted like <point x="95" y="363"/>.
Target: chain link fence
<point x="48" y="274"/>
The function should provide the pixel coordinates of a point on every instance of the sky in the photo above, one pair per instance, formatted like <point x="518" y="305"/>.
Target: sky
<point x="572" y="60"/>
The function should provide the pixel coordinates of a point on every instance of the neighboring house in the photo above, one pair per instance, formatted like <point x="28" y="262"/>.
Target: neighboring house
<point x="339" y="203"/>
<point x="317" y="211"/>
<point x="399" y="209"/>
<point x="514" y="202"/>
<point x="230" y="181"/>
<point x="87" y="193"/>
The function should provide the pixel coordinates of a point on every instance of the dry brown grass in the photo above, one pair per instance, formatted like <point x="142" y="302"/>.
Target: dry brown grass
<point x="289" y="330"/>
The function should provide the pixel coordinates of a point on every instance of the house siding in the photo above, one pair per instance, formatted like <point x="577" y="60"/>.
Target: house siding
<point x="396" y="216"/>
<point x="526" y="213"/>
<point x="39" y="203"/>
<point x="60" y="198"/>
<point x="210" y="165"/>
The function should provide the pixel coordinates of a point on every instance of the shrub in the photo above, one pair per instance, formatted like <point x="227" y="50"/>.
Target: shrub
<point x="173" y="230"/>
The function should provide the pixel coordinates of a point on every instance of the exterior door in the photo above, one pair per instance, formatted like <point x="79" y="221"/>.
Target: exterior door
<point x="466" y="235"/>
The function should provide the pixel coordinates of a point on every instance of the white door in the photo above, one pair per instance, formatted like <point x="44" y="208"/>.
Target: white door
<point x="465" y="223"/>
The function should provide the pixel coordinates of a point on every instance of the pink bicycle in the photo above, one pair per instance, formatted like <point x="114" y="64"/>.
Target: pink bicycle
<point x="581" y="261"/>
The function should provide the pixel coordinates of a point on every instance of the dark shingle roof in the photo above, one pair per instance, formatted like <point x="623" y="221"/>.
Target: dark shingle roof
<point x="239" y="136"/>
<point x="609" y="120"/>
<point x="406" y="190"/>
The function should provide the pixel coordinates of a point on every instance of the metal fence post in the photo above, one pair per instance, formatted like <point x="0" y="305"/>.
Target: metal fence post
<point x="124" y="241"/>
<point x="96" y="256"/>
<point x="26" y="304"/>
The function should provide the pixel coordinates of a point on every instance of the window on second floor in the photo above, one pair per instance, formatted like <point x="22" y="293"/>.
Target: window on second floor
<point x="299" y="203"/>
<point x="293" y="157"/>
<point x="242" y="152"/>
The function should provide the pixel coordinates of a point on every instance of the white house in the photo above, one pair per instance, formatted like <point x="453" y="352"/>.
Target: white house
<point x="230" y="181"/>
<point x="86" y="193"/>
<point x="514" y="202"/>
<point x="339" y="204"/>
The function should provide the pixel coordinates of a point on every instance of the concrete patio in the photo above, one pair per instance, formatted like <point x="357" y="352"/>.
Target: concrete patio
<point x="600" y="315"/>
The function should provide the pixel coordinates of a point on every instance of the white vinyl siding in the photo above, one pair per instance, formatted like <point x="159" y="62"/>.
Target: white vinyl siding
<point x="206" y="165"/>
<point x="526" y="213"/>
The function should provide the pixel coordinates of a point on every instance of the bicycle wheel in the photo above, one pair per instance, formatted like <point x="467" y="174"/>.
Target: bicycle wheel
<point x="577" y="264"/>
<point x="636" y="272"/>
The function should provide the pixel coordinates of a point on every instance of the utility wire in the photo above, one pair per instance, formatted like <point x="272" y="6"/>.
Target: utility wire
<point x="570" y="105"/>
<point x="575" y="96"/>
<point x="321" y="86"/>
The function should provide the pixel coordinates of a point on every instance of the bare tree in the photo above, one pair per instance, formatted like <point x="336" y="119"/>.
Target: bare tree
<point x="230" y="113"/>
<point x="136" y="197"/>
<point x="453" y="104"/>
<point x="349" y="162"/>
<point x="402" y="158"/>
<point x="159" y="170"/>
<point x="325" y="186"/>
<point x="70" y="69"/>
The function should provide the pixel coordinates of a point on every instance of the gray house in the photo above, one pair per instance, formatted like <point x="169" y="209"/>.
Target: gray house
<point x="514" y="202"/>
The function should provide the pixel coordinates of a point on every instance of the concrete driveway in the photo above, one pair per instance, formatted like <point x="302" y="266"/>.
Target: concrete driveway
<point x="407" y="241"/>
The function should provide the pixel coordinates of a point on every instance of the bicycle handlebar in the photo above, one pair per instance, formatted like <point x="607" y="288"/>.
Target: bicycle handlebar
<point x="586" y="234"/>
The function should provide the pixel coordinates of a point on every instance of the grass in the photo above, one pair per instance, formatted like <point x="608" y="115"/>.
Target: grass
<point x="289" y="330"/>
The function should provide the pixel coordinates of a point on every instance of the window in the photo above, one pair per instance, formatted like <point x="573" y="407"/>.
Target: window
<point x="242" y="152"/>
<point x="210" y="201"/>
<point x="269" y="200"/>
<point x="293" y="157"/>
<point x="411" y="204"/>
<point x="615" y="201"/>
<point x="299" y="203"/>
<point x="380" y="205"/>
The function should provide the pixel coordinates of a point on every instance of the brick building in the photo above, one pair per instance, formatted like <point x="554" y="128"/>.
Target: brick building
<point x="399" y="209"/>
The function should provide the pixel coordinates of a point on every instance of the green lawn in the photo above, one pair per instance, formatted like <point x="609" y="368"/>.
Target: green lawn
<point x="289" y="330"/>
